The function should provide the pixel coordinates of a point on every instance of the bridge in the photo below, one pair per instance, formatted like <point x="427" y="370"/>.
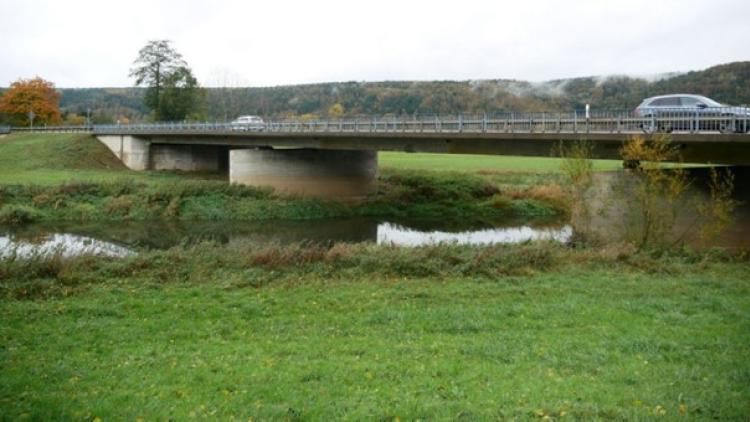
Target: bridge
<point x="338" y="158"/>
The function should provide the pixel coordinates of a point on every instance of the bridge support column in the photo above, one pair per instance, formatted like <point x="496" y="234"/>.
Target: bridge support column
<point x="333" y="174"/>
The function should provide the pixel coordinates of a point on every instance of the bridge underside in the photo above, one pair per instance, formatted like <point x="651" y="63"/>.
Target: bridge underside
<point x="700" y="148"/>
<point x="343" y="175"/>
<point x="344" y="165"/>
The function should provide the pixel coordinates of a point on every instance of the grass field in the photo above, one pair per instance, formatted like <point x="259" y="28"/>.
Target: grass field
<point x="523" y="333"/>
<point x="480" y="163"/>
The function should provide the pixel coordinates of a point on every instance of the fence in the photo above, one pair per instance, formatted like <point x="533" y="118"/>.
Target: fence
<point x="53" y="129"/>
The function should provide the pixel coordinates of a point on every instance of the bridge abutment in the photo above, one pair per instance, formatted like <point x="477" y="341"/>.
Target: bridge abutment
<point x="142" y="154"/>
<point x="335" y="174"/>
<point x="133" y="152"/>
<point x="188" y="157"/>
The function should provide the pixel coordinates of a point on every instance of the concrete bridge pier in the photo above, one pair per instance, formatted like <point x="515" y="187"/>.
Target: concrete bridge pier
<point x="336" y="174"/>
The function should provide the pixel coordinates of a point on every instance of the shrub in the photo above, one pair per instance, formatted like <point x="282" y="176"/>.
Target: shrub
<point x="18" y="214"/>
<point x="120" y="205"/>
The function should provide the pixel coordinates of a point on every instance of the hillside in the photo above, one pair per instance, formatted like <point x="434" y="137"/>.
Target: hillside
<point x="729" y="83"/>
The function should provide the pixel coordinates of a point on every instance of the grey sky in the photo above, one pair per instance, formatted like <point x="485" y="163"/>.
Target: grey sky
<point x="79" y="43"/>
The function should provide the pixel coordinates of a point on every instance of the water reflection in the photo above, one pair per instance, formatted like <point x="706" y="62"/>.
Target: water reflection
<point x="65" y="244"/>
<point x="121" y="239"/>
<point x="615" y="216"/>
<point x="398" y="235"/>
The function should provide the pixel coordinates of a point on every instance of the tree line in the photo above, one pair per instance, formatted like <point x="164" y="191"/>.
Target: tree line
<point x="166" y="90"/>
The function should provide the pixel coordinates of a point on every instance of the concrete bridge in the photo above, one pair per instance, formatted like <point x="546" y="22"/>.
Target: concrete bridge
<point x="338" y="158"/>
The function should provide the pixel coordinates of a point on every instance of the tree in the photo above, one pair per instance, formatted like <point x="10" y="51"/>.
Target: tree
<point x="180" y="98"/>
<point x="35" y="96"/>
<point x="336" y="111"/>
<point x="172" y="91"/>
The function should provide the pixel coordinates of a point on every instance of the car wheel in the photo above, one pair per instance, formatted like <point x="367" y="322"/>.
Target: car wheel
<point x="728" y="128"/>
<point x="648" y="128"/>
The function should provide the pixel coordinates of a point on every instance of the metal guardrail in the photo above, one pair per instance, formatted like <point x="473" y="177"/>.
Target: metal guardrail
<point x="52" y="129"/>
<point x="724" y="120"/>
<point x="709" y="120"/>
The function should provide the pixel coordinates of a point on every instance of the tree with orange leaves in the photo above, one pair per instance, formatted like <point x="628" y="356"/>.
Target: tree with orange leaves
<point x="27" y="96"/>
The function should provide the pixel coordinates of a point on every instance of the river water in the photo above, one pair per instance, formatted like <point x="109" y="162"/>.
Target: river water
<point x="124" y="238"/>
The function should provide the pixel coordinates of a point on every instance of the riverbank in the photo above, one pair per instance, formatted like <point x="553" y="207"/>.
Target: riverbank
<point x="366" y="331"/>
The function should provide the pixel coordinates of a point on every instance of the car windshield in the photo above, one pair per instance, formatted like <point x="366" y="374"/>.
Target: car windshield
<point x="247" y="119"/>
<point x="709" y="102"/>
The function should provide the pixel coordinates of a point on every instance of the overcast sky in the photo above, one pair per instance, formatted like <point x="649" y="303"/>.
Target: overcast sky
<point x="78" y="43"/>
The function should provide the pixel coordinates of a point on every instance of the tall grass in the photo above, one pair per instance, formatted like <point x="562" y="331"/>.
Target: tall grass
<point x="243" y="264"/>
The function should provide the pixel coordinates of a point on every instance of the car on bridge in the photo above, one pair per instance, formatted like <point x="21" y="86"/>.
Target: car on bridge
<point x="248" y="123"/>
<point x="689" y="112"/>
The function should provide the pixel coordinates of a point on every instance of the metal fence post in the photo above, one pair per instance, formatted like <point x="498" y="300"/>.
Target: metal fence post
<point x="484" y="123"/>
<point x="619" y="124"/>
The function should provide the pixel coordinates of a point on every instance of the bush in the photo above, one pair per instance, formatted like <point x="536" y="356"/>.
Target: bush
<point x="120" y="205"/>
<point x="18" y="214"/>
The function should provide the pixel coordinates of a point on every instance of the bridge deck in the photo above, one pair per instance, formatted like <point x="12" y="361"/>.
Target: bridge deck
<point x="700" y="137"/>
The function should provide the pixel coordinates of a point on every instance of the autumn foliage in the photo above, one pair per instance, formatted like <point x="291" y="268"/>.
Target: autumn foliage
<point x="35" y="95"/>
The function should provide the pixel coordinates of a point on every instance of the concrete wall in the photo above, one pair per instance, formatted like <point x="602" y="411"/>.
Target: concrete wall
<point x="188" y="157"/>
<point x="335" y="174"/>
<point x="142" y="154"/>
<point x="132" y="151"/>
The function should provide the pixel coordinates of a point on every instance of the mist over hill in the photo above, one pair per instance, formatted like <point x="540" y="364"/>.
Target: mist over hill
<point x="727" y="83"/>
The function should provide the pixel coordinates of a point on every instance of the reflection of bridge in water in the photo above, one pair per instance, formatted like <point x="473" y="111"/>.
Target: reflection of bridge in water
<point x="338" y="158"/>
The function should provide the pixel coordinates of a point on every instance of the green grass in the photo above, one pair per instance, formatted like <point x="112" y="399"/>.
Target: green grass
<point x="227" y="333"/>
<point x="479" y="163"/>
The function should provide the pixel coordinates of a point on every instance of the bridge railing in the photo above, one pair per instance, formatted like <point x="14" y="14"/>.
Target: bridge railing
<point x="724" y="119"/>
<point x="52" y="129"/>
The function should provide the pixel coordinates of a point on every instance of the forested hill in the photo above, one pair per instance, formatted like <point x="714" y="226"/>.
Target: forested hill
<point x="728" y="83"/>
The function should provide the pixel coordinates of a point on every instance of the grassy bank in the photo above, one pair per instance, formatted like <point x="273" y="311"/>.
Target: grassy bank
<point x="368" y="332"/>
<point x="73" y="177"/>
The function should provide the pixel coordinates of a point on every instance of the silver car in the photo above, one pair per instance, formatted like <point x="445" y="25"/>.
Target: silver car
<point x="692" y="112"/>
<point x="248" y="123"/>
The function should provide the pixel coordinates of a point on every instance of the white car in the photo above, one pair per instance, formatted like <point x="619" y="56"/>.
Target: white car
<point x="689" y="111"/>
<point x="248" y="123"/>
